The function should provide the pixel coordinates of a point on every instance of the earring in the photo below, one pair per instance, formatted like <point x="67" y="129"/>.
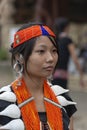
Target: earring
<point x="18" y="67"/>
<point x="21" y="58"/>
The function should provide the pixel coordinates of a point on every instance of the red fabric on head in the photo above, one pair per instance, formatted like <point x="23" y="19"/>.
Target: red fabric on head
<point x="29" y="33"/>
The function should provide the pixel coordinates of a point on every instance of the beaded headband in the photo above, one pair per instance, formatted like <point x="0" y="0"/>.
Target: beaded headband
<point x="34" y="31"/>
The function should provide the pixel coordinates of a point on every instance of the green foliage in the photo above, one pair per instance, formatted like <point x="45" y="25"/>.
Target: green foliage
<point x="3" y="54"/>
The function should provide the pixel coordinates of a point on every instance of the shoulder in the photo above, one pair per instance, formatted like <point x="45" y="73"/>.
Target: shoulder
<point x="64" y="99"/>
<point x="69" y="40"/>
<point x="7" y="107"/>
<point x="6" y="94"/>
<point x="66" y="39"/>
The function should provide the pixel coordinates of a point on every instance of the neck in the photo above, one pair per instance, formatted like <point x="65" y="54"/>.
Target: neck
<point x="34" y="84"/>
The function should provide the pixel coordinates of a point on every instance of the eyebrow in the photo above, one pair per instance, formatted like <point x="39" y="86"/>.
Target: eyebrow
<point x="42" y="46"/>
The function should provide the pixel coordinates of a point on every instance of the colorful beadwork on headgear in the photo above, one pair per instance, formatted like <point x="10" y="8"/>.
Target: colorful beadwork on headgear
<point x="31" y="32"/>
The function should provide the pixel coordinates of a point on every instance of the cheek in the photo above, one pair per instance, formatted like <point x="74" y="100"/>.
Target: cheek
<point x="34" y="65"/>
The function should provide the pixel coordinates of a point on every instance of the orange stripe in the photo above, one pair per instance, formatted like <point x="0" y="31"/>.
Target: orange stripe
<point x="54" y="114"/>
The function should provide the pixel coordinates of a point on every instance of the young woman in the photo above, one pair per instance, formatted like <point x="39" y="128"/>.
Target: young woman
<point x="31" y="102"/>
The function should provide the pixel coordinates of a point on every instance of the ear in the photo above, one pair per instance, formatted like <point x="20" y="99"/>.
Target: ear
<point x="19" y="58"/>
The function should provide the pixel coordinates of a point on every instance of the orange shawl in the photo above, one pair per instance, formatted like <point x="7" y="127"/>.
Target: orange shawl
<point x="29" y="113"/>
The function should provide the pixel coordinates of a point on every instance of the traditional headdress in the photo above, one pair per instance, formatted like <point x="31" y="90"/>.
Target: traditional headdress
<point x="34" y="31"/>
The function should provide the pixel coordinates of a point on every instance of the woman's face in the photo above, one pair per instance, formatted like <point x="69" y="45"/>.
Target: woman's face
<point x="43" y="59"/>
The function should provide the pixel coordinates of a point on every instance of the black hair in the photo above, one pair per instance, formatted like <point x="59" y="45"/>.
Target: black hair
<point x="26" y="48"/>
<point x="60" y="24"/>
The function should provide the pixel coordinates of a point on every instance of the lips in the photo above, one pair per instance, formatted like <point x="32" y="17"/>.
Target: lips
<point x="49" y="68"/>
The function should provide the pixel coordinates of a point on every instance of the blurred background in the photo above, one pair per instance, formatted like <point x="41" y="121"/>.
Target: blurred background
<point x="14" y="13"/>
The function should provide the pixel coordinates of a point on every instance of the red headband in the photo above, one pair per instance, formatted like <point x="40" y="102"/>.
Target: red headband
<point x="23" y="35"/>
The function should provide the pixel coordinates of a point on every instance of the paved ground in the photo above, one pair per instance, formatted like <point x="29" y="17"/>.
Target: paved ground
<point x="79" y="95"/>
<point x="80" y="118"/>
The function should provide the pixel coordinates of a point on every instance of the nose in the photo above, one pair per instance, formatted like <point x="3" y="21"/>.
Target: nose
<point x="49" y="57"/>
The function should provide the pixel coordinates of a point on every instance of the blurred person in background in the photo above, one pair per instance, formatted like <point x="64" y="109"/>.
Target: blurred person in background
<point x="66" y="49"/>
<point x="83" y="56"/>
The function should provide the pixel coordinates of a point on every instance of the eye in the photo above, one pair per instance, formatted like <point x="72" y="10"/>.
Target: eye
<point x="54" y="50"/>
<point x="40" y="51"/>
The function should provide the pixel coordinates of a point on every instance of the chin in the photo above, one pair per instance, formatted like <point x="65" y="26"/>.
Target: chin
<point x="49" y="76"/>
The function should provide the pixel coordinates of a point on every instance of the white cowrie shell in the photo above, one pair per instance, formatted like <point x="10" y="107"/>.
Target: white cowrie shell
<point x="16" y="124"/>
<point x="12" y="111"/>
<point x="8" y="96"/>
<point x="64" y="102"/>
<point x="5" y="88"/>
<point x="58" y="89"/>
